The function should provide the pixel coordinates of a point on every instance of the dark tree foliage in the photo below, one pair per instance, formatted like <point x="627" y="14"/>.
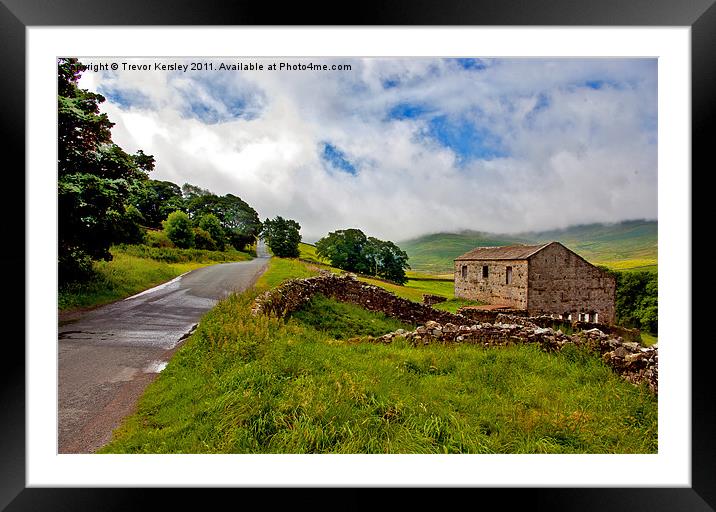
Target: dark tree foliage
<point x="351" y="250"/>
<point x="637" y="299"/>
<point x="211" y="224"/>
<point x="179" y="230"/>
<point x="346" y="249"/>
<point x="387" y="260"/>
<point x="282" y="236"/>
<point x="190" y="191"/>
<point x="156" y="200"/>
<point x="240" y="222"/>
<point x="203" y="240"/>
<point x="95" y="178"/>
<point x="637" y="302"/>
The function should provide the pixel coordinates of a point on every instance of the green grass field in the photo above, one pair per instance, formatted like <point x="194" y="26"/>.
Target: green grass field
<point x="245" y="384"/>
<point x="308" y="252"/>
<point x="133" y="269"/>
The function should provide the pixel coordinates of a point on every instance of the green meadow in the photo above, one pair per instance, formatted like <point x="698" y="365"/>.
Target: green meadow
<point x="313" y="384"/>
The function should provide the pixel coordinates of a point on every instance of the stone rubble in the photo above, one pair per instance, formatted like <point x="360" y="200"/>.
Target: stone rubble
<point x="633" y="362"/>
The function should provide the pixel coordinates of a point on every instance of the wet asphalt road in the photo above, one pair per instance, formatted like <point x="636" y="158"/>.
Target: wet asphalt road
<point x="108" y="357"/>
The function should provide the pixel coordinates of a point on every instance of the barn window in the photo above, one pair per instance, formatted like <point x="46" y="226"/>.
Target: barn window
<point x="484" y="271"/>
<point x="464" y="271"/>
<point x="596" y="318"/>
<point x="508" y="275"/>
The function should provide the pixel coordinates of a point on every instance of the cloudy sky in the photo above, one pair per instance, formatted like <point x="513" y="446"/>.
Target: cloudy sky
<point x="402" y="147"/>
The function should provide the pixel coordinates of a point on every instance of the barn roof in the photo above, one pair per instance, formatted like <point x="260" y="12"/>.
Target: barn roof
<point x="505" y="252"/>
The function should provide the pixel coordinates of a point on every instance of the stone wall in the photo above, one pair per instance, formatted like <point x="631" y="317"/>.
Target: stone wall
<point x="561" y="282"/>
<point x="634" y="363"/>
<point x="494" y="288"/>
<point x="295" y="293"/>
<point x="431" y="300"/>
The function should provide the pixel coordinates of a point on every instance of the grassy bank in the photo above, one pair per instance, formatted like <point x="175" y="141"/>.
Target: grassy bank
<point x="136" y="268"/>
<point x="245" y="384"/>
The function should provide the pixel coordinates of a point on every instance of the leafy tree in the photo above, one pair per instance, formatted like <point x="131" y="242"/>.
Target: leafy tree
<point x="637" y="300"/>
<point x="240" y="222"/>
<point x="129" y="226"/>
<point x="345" y="249"/>
<point x="282" y="236"/>
<point x="192" y="191"/>
<point x="211" y="224"/>
<point x="156" y="200"/>
<point x="387" y="260"/>
<point x="179" y="229"/>
<point x="351" y="250"/>
<point x="203" y="240"/>
<point x="95" y="178"/>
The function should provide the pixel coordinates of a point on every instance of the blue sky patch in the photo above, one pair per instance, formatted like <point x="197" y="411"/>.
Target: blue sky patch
<point x="125" y="98"/>
<point x="543" y="102"/>
<point x="465" y="139"/>
<point x="390" y="83"/>
<point x="213" y="102"/>
<point x="471" y="64"/>
<point x="600" y="84"/>
<point x="407" y="111"/>
<point x="337" y="159"/>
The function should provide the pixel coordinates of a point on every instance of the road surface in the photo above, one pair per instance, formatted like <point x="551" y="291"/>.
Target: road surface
<point x="108" y="357"/>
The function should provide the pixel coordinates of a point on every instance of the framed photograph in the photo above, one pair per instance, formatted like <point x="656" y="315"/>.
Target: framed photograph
<point x="570" y="116"/>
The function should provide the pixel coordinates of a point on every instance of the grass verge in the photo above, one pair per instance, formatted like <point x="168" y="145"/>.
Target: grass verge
<point x="245" y="384"/>
<point x="133" y="269"/>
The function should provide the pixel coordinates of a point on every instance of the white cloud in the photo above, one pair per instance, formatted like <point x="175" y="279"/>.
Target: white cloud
<point x="573" y="153"/>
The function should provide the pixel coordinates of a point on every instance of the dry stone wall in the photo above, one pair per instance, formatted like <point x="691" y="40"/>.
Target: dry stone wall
<point x="431" y="300"/>
<point x="635" y="363"/>
<point x="295" y="293"/>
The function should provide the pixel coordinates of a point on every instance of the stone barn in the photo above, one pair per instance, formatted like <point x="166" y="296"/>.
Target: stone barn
<point x="540" y="279"/>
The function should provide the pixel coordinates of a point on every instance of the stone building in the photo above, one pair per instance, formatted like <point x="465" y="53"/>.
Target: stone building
<point x="540" y="279"/>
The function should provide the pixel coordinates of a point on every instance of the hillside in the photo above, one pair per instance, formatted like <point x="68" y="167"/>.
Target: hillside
<point x="629" y="245"/>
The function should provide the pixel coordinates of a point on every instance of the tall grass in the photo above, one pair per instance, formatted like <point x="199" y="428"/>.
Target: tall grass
<point x="176" y="255"/>
<point x="246" y="384"/>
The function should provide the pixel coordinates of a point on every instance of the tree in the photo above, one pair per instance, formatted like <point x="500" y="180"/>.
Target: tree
<point x="95" y="178"/>
<point x="282" y="236"/>
<point x="211" y="224"/>
<point x="637" y="298"/>
<point x="203" y="240"/>
<point x="351" y="250"/>
<point x="387" y="260"/>
<point x="156" y="200"/>
<point x="345" y="249"/>
<point x="179" y="229"/>
<point x="192" y="191"/>
<point x="240" y="222"/>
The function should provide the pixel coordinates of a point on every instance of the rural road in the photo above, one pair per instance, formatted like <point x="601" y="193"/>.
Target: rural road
<point x="108" y="357"/>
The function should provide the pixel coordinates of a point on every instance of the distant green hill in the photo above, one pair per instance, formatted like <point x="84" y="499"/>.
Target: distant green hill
<point x="629" y="245"/>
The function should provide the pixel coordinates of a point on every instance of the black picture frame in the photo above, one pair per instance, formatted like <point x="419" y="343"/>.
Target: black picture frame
<point x="17" y="15"/>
